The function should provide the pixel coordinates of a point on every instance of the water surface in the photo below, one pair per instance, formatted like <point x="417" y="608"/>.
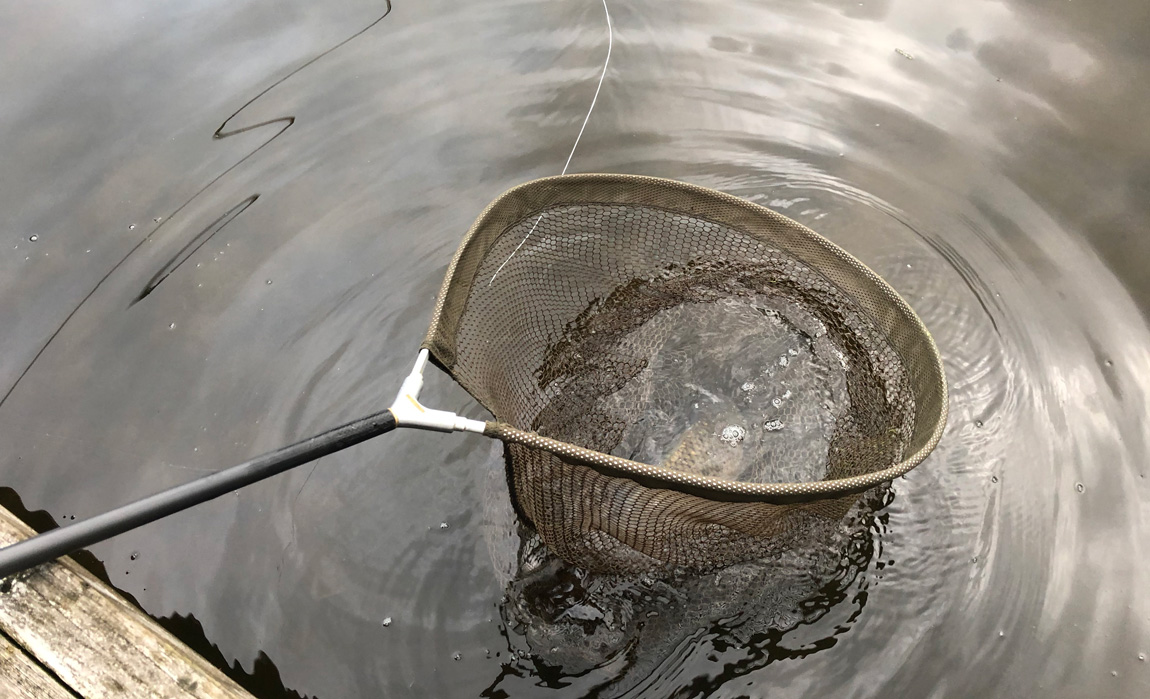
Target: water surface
<point x="183" y="286"/>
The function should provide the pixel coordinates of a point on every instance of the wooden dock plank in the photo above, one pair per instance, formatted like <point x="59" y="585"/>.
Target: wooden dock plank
<point x="94" y="641"/>
<point x="22" y="678"/>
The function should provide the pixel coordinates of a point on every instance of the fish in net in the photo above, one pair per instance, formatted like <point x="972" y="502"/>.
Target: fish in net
<point x="682" y="379"/>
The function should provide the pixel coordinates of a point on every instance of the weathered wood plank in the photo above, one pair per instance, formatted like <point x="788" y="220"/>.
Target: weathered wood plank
<point x="95" y="642"/>
<point x="22" y="678"/>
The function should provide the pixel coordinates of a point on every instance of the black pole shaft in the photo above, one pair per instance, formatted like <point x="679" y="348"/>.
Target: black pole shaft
<point x="60" y="542"/>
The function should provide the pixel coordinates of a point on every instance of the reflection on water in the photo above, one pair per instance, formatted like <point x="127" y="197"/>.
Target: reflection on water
<point x="987" y="158"/>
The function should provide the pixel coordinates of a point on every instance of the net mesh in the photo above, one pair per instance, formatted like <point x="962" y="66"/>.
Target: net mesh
<point x="682" y="378"/>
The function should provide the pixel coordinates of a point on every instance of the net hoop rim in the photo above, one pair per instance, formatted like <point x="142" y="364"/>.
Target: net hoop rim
<point x="648" y="475"/>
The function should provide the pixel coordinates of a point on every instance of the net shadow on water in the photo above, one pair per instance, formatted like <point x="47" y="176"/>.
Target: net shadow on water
<point x="686" y="634"/>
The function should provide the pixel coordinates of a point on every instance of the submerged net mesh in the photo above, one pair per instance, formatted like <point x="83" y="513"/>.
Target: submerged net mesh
<point x="682" y="378"/>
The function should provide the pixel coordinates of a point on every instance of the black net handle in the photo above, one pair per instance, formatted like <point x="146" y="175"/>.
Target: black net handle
<point x="60" y="542"/>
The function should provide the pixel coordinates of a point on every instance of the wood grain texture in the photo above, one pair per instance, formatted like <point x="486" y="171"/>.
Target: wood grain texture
<point x="94" y="641"/>
<point x="22" y="678"/>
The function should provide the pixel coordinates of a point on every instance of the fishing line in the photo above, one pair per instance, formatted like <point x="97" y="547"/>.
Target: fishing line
<point x="595" y="98"/>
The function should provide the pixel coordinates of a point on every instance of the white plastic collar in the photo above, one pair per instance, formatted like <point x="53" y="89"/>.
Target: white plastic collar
<point x="409" y="412"/>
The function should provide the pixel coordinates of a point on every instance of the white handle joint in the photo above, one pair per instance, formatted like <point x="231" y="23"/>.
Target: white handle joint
<point x="409" y="412"/>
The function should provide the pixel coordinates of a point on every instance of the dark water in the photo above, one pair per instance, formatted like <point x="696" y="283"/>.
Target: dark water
<point x="989" y="159"/>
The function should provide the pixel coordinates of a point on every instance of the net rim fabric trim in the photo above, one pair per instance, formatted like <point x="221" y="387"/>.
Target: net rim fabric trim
<point x="441" y="344"/>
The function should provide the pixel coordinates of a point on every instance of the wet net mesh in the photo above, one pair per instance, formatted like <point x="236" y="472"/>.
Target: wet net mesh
<point x="682" y="378"/>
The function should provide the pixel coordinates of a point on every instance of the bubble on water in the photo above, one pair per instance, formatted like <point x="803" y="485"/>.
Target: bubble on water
<point x="733" y="434"/>
<point x="776" y="402"/>
<point x="748" y="386"/>
<point x="443" y="525"/>
<point x="1080" y="487"/>
<point x="773" y="426"/>
<point x="33" y="238"/>
<point x="387" y="621"/>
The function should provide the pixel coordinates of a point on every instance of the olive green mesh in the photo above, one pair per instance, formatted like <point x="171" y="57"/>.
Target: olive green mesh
<point x="682" y="378"/>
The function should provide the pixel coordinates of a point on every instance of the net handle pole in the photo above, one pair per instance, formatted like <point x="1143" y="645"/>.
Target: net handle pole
<point x="60" y="542"/>
<point x="406" y="411"/>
